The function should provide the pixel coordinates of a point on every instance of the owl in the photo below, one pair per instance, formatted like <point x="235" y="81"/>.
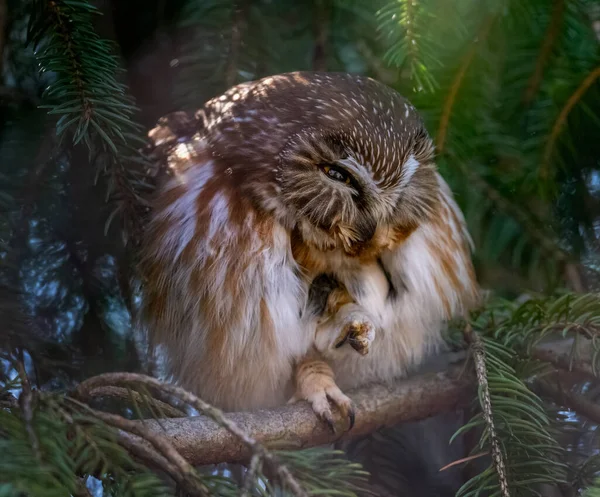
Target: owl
<point x="300" y="243"/>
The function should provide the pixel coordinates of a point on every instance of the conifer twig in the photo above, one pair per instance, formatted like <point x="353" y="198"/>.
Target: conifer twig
<point x="295" y="426"/>
<point x="26" y="403"/>
<point x="215" y="414"/>
<point x="158" y="441"/>
<point x="463" y="460"/>
<point x="457" y="83"/>
<point x="478" y="351"/>
<point x="250" y="476"/>
<point x="562" y="119"/>
<point x="122" y="393"/>
<point x="552" y="33"/>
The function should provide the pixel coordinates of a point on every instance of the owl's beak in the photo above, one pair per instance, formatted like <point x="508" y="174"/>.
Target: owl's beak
<point x="357" y="237"/>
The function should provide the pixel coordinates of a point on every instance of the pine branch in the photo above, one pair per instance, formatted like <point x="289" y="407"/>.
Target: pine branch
<point x="158" y="441"/>
<point x="561" y="120"/>
<point x="515" y="424"/>
<point x="458" y="81"/>
<point x="478" y="351"/>
<point x="577" y="403"/>
<point x="124" y="394"/>
<point x="295" y="427"/>
<point x="93" y="107"/>
<point x="215" y="414"/>
<point x="411" y="49"/>
<point x="553" y="32"/>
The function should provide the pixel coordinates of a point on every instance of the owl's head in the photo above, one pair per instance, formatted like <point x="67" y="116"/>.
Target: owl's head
<point x="345" y="160"/>
<point x="357" y="192"/>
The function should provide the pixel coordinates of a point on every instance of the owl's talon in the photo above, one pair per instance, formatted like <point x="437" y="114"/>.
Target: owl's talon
<point x="329" y="420"/>
<point x="321" y="391"/>
<point x="359" y="334"/>
<point x="351" y="418"/>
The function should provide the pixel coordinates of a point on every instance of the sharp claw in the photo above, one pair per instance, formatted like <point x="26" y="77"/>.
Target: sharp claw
<point x="358" y="345"/>
<point x="329" y="420"/>
<point x="351" y="417"/>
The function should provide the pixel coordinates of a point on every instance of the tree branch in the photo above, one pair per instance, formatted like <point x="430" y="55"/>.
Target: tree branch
<point x="202" y="441"/>
<point x="563" y="397"/>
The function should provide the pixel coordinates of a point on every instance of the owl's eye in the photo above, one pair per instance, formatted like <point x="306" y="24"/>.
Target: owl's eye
<point x="336" y="173"/>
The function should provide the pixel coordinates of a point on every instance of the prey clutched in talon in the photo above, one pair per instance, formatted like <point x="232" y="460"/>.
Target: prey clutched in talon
<point x="315" y="383"/>
<point x="359" y="334"/>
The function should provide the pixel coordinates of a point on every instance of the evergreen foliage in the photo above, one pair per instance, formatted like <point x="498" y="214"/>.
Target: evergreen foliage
<point x="510" y="92"/>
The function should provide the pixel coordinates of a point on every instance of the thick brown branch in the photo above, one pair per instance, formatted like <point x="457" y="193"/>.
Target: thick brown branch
<point x="568" y="356"/>
<point x="202" y="441"/>
<point x="563" y="397"/>
<point x="251" y="445"/>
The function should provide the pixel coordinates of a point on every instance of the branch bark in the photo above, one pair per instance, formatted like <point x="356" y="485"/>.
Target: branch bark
<point x="202" y="441"/>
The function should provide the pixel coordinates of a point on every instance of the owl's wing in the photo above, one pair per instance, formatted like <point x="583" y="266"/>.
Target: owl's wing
<point x="221" y="287"/>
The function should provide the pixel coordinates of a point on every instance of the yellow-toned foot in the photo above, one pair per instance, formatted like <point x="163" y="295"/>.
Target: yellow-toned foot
<point x="315" y="383"/>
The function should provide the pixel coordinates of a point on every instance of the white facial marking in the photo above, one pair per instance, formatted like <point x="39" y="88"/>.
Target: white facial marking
<point x="408" y="170"/>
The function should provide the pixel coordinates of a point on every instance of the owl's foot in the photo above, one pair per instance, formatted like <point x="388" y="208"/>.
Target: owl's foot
<point x="351" y="325"/>
<point x="359" y="334"/>
<point x="315" y="383"/>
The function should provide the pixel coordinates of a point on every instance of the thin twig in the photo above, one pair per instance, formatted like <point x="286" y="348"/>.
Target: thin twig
<point x="561" y="360"/>
<point x="295" y="426"/>
<point x="383" y="73"/>
<point x="215" y="414"/>
<point x="157" y="440"/>
<point x="123" y="393"/>
<point x="562" y="119"/>
<point x="136" y="446"/>
<point x="478" y="350"/>
<point x="458" y="80"/>
<point x="26" y="403"/>
<point x="552" y="33"/>
<point x="464" y="459"/>
<point x="250" y="476"/>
